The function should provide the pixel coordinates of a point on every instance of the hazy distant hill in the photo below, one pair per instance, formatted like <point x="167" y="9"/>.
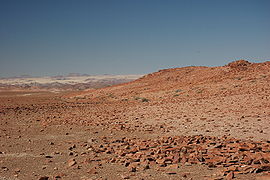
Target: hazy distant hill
<point x="72" y="81"/>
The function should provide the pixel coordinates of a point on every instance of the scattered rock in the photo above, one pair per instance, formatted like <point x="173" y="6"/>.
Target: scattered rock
<point x="71" y="162"/>
<point x="92" y="171"/>
<point x="4" y="168"/>
<point x="171" y="172"/>
<point x="72" y="147"/>
<point x="17" y="170"/>
<point x="44" y="178"/>
<point x="132" y="169"/>
<point x="125" y="176"/>
<point x="230" y="176"/>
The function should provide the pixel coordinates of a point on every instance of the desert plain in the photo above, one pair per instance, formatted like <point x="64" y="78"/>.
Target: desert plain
<point x="183" y="123"/>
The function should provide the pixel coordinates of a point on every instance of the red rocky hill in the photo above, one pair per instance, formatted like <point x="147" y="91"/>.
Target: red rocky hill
<point x="239" y="77"/>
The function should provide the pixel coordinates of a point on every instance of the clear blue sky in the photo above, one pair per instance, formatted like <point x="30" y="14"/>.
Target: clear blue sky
<point x="55" y="37"/>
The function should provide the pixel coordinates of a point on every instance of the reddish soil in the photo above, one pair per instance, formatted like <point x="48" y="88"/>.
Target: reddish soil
<point x="182" y="123"/>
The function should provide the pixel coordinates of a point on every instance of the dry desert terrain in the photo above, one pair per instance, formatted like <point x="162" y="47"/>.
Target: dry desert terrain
<point x="182" y="123"/>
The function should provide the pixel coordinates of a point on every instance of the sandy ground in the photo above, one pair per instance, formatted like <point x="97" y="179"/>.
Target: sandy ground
<point x="183" y="123"/>
<point x="32" y="148"/>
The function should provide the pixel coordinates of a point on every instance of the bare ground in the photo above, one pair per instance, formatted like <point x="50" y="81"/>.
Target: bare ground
<point x="183" y="123"/>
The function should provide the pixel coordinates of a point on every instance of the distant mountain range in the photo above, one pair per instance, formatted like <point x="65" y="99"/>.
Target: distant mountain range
<point x="72" y="81"/>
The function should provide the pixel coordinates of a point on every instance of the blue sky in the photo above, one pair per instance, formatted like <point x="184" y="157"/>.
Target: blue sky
<point x="56" y="37"/>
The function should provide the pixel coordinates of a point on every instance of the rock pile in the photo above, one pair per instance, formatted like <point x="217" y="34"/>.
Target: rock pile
<point x="233" y="155"/>
<point x="239" y="63"/>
